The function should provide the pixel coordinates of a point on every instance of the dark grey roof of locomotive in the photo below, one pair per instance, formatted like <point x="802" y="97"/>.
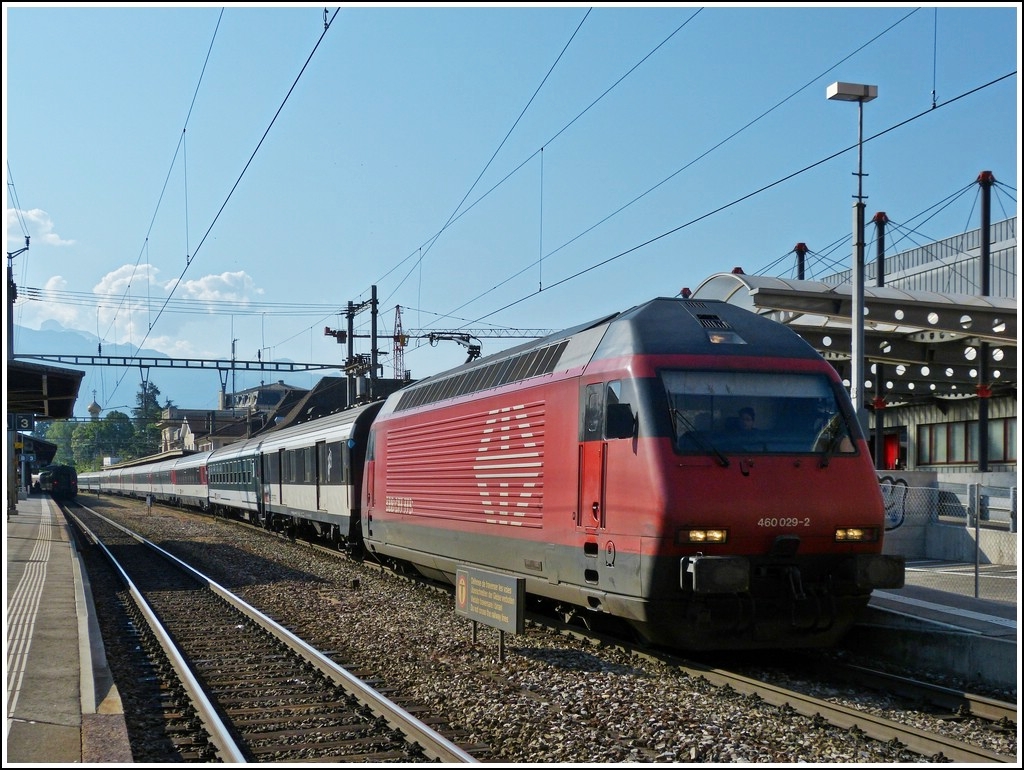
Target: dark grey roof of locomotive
<point x="660" y="326"/>
<point x="687" y="326"/>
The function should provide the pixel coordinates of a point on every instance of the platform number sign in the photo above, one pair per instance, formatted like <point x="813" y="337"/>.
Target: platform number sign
<point x="25" y="422"/>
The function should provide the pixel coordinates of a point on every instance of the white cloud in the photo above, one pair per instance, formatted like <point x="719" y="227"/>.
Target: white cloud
<point x="129" y="281"/>
<point x="129" y="305"/>
<point x="226" y="287"/>
<point x="34" y="314"/>
<point x="36" y="223"/>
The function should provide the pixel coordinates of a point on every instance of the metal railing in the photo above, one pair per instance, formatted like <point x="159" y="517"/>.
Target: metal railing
<point x="961" y="538"/>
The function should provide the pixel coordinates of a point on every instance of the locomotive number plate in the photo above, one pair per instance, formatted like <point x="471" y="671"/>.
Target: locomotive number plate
<point x="784" y="521"/>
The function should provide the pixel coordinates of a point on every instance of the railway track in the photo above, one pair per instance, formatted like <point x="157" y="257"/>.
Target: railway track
<point x="958" y="703"/>
<point x="880" y="728"/>
<point x="253" y="691"/>
<point x="927" y="743"/>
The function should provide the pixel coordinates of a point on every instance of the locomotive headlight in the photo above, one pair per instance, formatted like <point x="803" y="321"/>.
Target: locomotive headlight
<point x="707" y="535"/>
<point x="856" y="535"/>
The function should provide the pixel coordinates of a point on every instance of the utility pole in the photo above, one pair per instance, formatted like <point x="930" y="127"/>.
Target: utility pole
<point x="12" y="296"/>
<point x="355" y="366"/>
<point x="859" y="93"/>
<point x="986" y="179"/>
<point x="234" y="386"/>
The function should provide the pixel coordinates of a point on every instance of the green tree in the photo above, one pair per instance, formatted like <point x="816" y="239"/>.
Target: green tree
<point x="113" y="437"/>
<point x="60" y="433"/>
<point x="118" y="436"/>
<point x="147" y="404"/>
<point x="146" y="418"/>
<point x="86" y="446"/>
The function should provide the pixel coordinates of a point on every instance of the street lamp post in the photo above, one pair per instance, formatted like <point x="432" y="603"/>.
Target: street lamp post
<point x="856" y="92"/>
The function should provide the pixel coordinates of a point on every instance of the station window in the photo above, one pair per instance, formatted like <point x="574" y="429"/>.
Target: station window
<point x="957" y="443"/>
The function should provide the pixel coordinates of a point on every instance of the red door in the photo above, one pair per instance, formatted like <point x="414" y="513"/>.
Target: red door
<point x="592" y="469"/>
<point x="593" y="451"/>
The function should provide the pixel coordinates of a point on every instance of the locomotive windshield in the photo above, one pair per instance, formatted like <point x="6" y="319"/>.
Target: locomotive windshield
<point x="762" y="412"/>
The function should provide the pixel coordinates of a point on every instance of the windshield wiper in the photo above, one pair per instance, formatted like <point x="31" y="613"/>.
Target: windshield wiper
<point x="694" y="435"/>
<point x="834" y="435"/>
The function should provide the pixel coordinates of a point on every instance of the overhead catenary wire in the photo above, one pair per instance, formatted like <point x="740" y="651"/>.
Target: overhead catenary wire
<point x="736" y="201"/>
<point x="20" y="215"/>
<point x="191" y="257"/>
<point x="179" y="148"/>
<point x="501" y="144"/>
<point x="522" y="164"/>
<point x="252" y="156"/>
<point x="459" y="213"/>
<point x="678" y="171"/>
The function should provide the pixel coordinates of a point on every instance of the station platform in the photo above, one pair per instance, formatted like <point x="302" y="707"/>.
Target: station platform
<point x="954" y="633"/>
<point x="63" y="706"/>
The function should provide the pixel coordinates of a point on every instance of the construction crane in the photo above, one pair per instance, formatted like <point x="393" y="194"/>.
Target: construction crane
<point x="400" y="342"/>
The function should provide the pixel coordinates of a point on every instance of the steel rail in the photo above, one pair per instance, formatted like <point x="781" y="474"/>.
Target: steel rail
<point x="957" y="701"/>
<point x="879" y="728"/>
<point x="432" y="742"/>
<point x="220" y="736"/>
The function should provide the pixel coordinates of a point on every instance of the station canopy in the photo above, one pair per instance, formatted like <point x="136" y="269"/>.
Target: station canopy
<point x="927" y="345"/>
<point x="42" y="391"/>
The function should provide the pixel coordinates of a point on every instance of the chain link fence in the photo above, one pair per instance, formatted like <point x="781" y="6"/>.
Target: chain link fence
<point x="961" y="538"/>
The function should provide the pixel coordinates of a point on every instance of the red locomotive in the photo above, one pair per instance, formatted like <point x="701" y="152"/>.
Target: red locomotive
<point x="686" y="466"/>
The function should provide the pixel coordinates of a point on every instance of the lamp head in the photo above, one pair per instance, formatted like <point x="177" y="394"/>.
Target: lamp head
<point x="851" y="92"/>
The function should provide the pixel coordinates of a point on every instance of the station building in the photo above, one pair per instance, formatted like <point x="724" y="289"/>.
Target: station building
<point x="940" y="358"/>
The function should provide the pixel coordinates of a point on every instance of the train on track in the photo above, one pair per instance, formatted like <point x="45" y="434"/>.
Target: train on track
<point x="687" y="467"/>
<point x="58" y="481"/>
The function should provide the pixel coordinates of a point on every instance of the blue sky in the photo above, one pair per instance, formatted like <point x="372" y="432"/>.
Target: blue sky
<point x="237" y="173"/>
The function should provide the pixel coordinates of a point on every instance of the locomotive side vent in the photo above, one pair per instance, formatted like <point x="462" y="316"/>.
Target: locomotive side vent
<point x="712" y="321"/>
<point x="531" y="363"/>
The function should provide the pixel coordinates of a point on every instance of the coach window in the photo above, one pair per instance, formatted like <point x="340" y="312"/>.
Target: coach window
<point x="308" y="465"/>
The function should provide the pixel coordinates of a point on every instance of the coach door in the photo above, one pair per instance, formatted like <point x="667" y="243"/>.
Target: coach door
<point x="280" y="477"/>
<point x="593" y="452"/>
<point x="256" y="469"/>
<point x="323" y="471"/>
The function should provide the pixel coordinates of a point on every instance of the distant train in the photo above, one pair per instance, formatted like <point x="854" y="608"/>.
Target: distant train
<point x="686" y="466"/>
<point x="59" y="482"/>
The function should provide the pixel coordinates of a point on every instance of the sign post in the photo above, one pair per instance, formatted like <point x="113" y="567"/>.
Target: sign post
<point x="492" y="598"/>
